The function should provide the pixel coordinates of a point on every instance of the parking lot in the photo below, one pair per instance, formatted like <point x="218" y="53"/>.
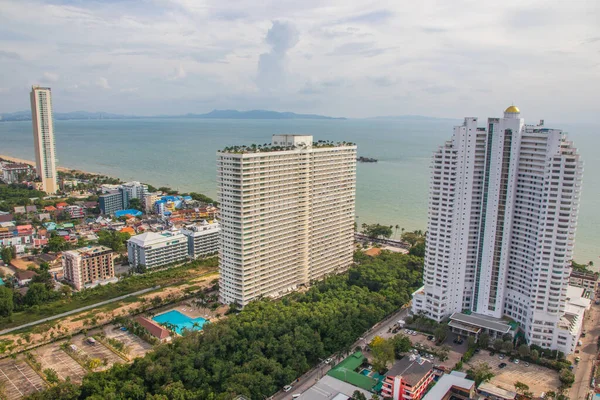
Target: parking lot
<point x="456" y="350"/>
<point x="96" y="350"/>
<point x="137" y="347"/>
<point x="51" y="356"/>
<point x="19" y="379"/>
<point x="539" y="379"/>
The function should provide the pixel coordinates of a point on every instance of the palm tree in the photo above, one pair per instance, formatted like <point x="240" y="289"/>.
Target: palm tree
<point x="396" y="232"/>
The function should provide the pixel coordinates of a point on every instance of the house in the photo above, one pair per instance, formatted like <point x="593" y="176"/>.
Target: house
<point x="329" y="387"/>
<point x="154" y="329"/>
<point x="452" y="386"/>
<point x="61" y="205"/>
<point x="19" y="209"/>
<point x="24" y="277"/>
<point x="50" y="208"/>
<point x="31" y="209"/>
<point x="408" y="379"/>
<point x="6" y="218"/>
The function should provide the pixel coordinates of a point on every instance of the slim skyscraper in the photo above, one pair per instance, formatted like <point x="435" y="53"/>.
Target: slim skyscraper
<point x="503" y="205"/>
<point x="287" y="215"/>
<point x="43" y="137"/>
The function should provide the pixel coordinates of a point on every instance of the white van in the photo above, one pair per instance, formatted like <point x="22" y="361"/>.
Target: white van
<point x="295" y="396"/>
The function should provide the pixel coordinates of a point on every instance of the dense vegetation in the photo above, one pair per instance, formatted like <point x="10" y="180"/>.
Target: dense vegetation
<point x="17" y="195"/>
<point x="267" y="345"/>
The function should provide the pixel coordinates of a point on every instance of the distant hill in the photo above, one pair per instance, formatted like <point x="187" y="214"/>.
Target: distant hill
<point x="221" y="114"/>
<point x="403" y="117"/>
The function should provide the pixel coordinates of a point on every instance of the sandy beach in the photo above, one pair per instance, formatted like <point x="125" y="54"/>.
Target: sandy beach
<point x="32" y="163"/>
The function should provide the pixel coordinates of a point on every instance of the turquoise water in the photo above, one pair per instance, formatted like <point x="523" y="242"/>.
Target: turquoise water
<point x="181" y="153"/>
<point x="181" y="321"/>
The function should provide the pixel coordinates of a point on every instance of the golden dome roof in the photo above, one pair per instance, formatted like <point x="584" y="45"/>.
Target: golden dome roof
<point x="512" y="109"/>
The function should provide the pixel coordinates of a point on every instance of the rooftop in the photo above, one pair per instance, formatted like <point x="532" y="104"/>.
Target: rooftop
<point x="330" y="388"/>
<point x="272" y="147"/>
<point x="481" y="321"/>
<point x="148" y="238"/>
<point x="345" y="372"/>
<point x="153" y="328"/>
<point x="412" y="370"/>
<point x="488" y="388"/>
<point x="447" y="382"/>
<point x="88" y="250"/>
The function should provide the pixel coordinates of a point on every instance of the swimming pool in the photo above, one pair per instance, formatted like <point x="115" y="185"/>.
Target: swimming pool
<point x="181" y="321"/>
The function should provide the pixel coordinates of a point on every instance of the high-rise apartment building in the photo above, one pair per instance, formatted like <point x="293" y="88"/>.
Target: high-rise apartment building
<point x="287" y="215"/>
<point x="503" y="205"/>
<point x="43" y="137"/>
<point x="154" y="250"/>
<point x="203" y="238"/>
<point x="88" y="266"/>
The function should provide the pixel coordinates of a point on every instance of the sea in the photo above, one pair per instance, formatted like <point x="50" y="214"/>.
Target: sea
<point x="181" y="153"/>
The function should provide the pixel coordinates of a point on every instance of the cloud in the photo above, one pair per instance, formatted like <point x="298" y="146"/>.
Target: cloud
<point x="383" y="81"/>
<point x="370" y="17"/>
<point x="102" y="82"/>
<point x="129" y="90"/>
<point x="9" y="55"/>
<point x="365" y="49"/>
<point x="50" y="77"/>
<point x="177" y="74"/>
<point x="282" y="37"/>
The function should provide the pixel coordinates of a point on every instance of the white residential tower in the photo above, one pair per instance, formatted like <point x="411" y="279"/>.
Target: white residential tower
<point x="503" y="205"/>
<point x="43" y="137"/>
<point x="287" y="215"/>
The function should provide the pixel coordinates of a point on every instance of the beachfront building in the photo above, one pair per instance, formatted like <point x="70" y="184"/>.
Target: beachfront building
<point x="153" y="249"/>
<point x="43" y="137"/>
<point x="149" y="200"/>
<point x="135" y="190"/>
<point x="503" y="205"/>
<point x="585" y="280"/>
<point x="287" y="215"/>
<point x="203" y="238"/>
<point x="16" y="172"/>
<point x="88" y="266"/>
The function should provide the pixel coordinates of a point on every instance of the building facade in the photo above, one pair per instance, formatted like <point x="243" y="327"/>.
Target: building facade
<point x="585" y="280"/>
<point x="287" y="215"/>
<point x="43" y="137"/>
<point x="408" y="379"/>
<point x="88" y="266"/>
<point x="153" y="249"/>
<point x="503" y="206"/>
<point x="15" y="173"/>
<point x="203" y="239"/>
<point x="135" y="190"/>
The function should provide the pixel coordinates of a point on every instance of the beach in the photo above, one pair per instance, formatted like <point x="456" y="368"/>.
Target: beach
<point x="32" y="163"/>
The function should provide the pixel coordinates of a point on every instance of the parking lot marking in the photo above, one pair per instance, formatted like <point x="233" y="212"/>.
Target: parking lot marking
<point x="11" y="382"/>
<point x="26" y="377"/>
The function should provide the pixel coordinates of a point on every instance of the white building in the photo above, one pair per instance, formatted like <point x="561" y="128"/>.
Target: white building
<point x="503" y="205"/>
<point x="88" y="266"/>
<point x="43" y="137"/>
<point x="203" y="239"/>
<point x="287" y="215"/>
<point x="135" y="190"/>
<point x="157" y="249"/>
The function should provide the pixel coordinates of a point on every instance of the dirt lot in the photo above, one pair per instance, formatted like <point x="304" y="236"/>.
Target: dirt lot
<point x="137" y="347"/>
<point x="97" y="351"/>
<point x="539" y="379"/>
<point x="19" y="379"/>
<point x="51" y="356"/>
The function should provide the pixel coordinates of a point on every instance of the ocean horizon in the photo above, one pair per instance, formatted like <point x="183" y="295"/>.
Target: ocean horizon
<point x="181" y="153"/>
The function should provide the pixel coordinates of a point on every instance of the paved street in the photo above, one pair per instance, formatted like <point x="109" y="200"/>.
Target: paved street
<point x="583" y="370"/>
<point x="311" y="377"/>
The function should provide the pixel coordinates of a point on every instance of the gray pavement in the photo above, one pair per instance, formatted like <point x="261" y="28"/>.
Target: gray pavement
<point x="587" y="353"/>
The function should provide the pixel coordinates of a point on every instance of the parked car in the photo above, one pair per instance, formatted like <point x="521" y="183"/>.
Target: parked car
<point x="414" y="333"/>
<point x="517" y="361"/>
<point x="526" y="364"/>
<point x="430" y="337"/>
<point x="577" y="351"/>
<point x="501" y="356"/>
<point x="502" y="365"/>
<point x="287" y="388"/>
<point x="295" y="396"/>
<point x="577" y="359"/>
<point x="328" y="361"/>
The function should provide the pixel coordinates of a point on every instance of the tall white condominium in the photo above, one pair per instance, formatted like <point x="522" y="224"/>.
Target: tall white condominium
<point x="503" y="205"/>
<point x="43" y="137"/>
<point x="287" y="215"/>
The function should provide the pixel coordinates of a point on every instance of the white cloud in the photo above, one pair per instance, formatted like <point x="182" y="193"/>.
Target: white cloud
<point x="102" y="82"/>
<point x="428" y="57"/>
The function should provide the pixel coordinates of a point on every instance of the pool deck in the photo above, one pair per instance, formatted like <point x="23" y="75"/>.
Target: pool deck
<point x="193" y="312"/>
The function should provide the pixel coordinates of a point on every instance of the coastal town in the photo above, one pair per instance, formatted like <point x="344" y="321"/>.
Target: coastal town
<point x="98" y="272"/>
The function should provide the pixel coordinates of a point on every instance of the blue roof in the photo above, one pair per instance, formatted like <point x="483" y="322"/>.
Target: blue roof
<point x="171" y="198"/>
<point x="187" y="197"/>
<point x="122" y="213"/>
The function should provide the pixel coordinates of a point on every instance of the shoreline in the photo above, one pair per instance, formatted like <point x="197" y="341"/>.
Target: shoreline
<point x="58" y="169"/>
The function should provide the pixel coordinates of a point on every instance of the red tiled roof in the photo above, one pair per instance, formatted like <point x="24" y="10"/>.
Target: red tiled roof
<point x="375" y="251"/>
<point x="62" y="204"/>
<point x="50" y="208"/>
<point x="152" y="327"/>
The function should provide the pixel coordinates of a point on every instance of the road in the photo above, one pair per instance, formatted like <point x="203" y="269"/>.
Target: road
<point x="587" y="352"/>
<point x="312" y="376"/>
<point x="65" y="314"/>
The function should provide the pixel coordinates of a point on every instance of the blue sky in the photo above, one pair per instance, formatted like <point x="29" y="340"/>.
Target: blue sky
<point x="342" y="58"/>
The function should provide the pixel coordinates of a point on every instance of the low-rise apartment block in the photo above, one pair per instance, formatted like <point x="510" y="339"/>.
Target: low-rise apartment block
<point x="88" y="266"/>
<point x="586" y="280"/>
<point x="408" y="379"/>
<point x="153" y="249"/>
<point x="203" y="239"/>
<point x="15" y="172"/>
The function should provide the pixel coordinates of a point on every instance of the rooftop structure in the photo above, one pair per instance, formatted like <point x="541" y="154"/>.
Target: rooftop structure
<point x="154" y="329"/>
<point x="330" y="388"/>
<point x="494" y="392"/>
<point x="346" y="371"/>
<point x="287" y="215"/>
<point x="503" y="206"/>
<point x="43" y="137"/>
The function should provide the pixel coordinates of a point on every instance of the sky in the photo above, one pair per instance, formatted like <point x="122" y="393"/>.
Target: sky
<point x="340" y="57"/>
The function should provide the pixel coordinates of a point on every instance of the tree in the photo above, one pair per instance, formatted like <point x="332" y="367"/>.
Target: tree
<point x="113" y="239"/>
<point x="37" y="294"/>
<point x="566" y="377"/>
<point x="44" y="266"/>
<point x="383" y="352"/>
<point x="358" y="396"/>
<point x="402" y="344"/>
<point x="550" y="394"/>
<point x="471" y="342"/>
<point x="498" y="343"/>
<point x="523" y="350"/>
<point x="521" y="387"/>
<point x="535" y="355"/>
<point x="6" y="301"/>
<point x="507" y="346"/>
<point x="57" y="243"/>
<point x="441" y="333"/>
<point x="480" y="373"/>
<point x="418" y="249"/>
<point x="51" y="375"/>
<point x="7" y="254"/>
<point x="484" y="340"/>
<point x="377" y="230"/>
<point x="135" y="204"/>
